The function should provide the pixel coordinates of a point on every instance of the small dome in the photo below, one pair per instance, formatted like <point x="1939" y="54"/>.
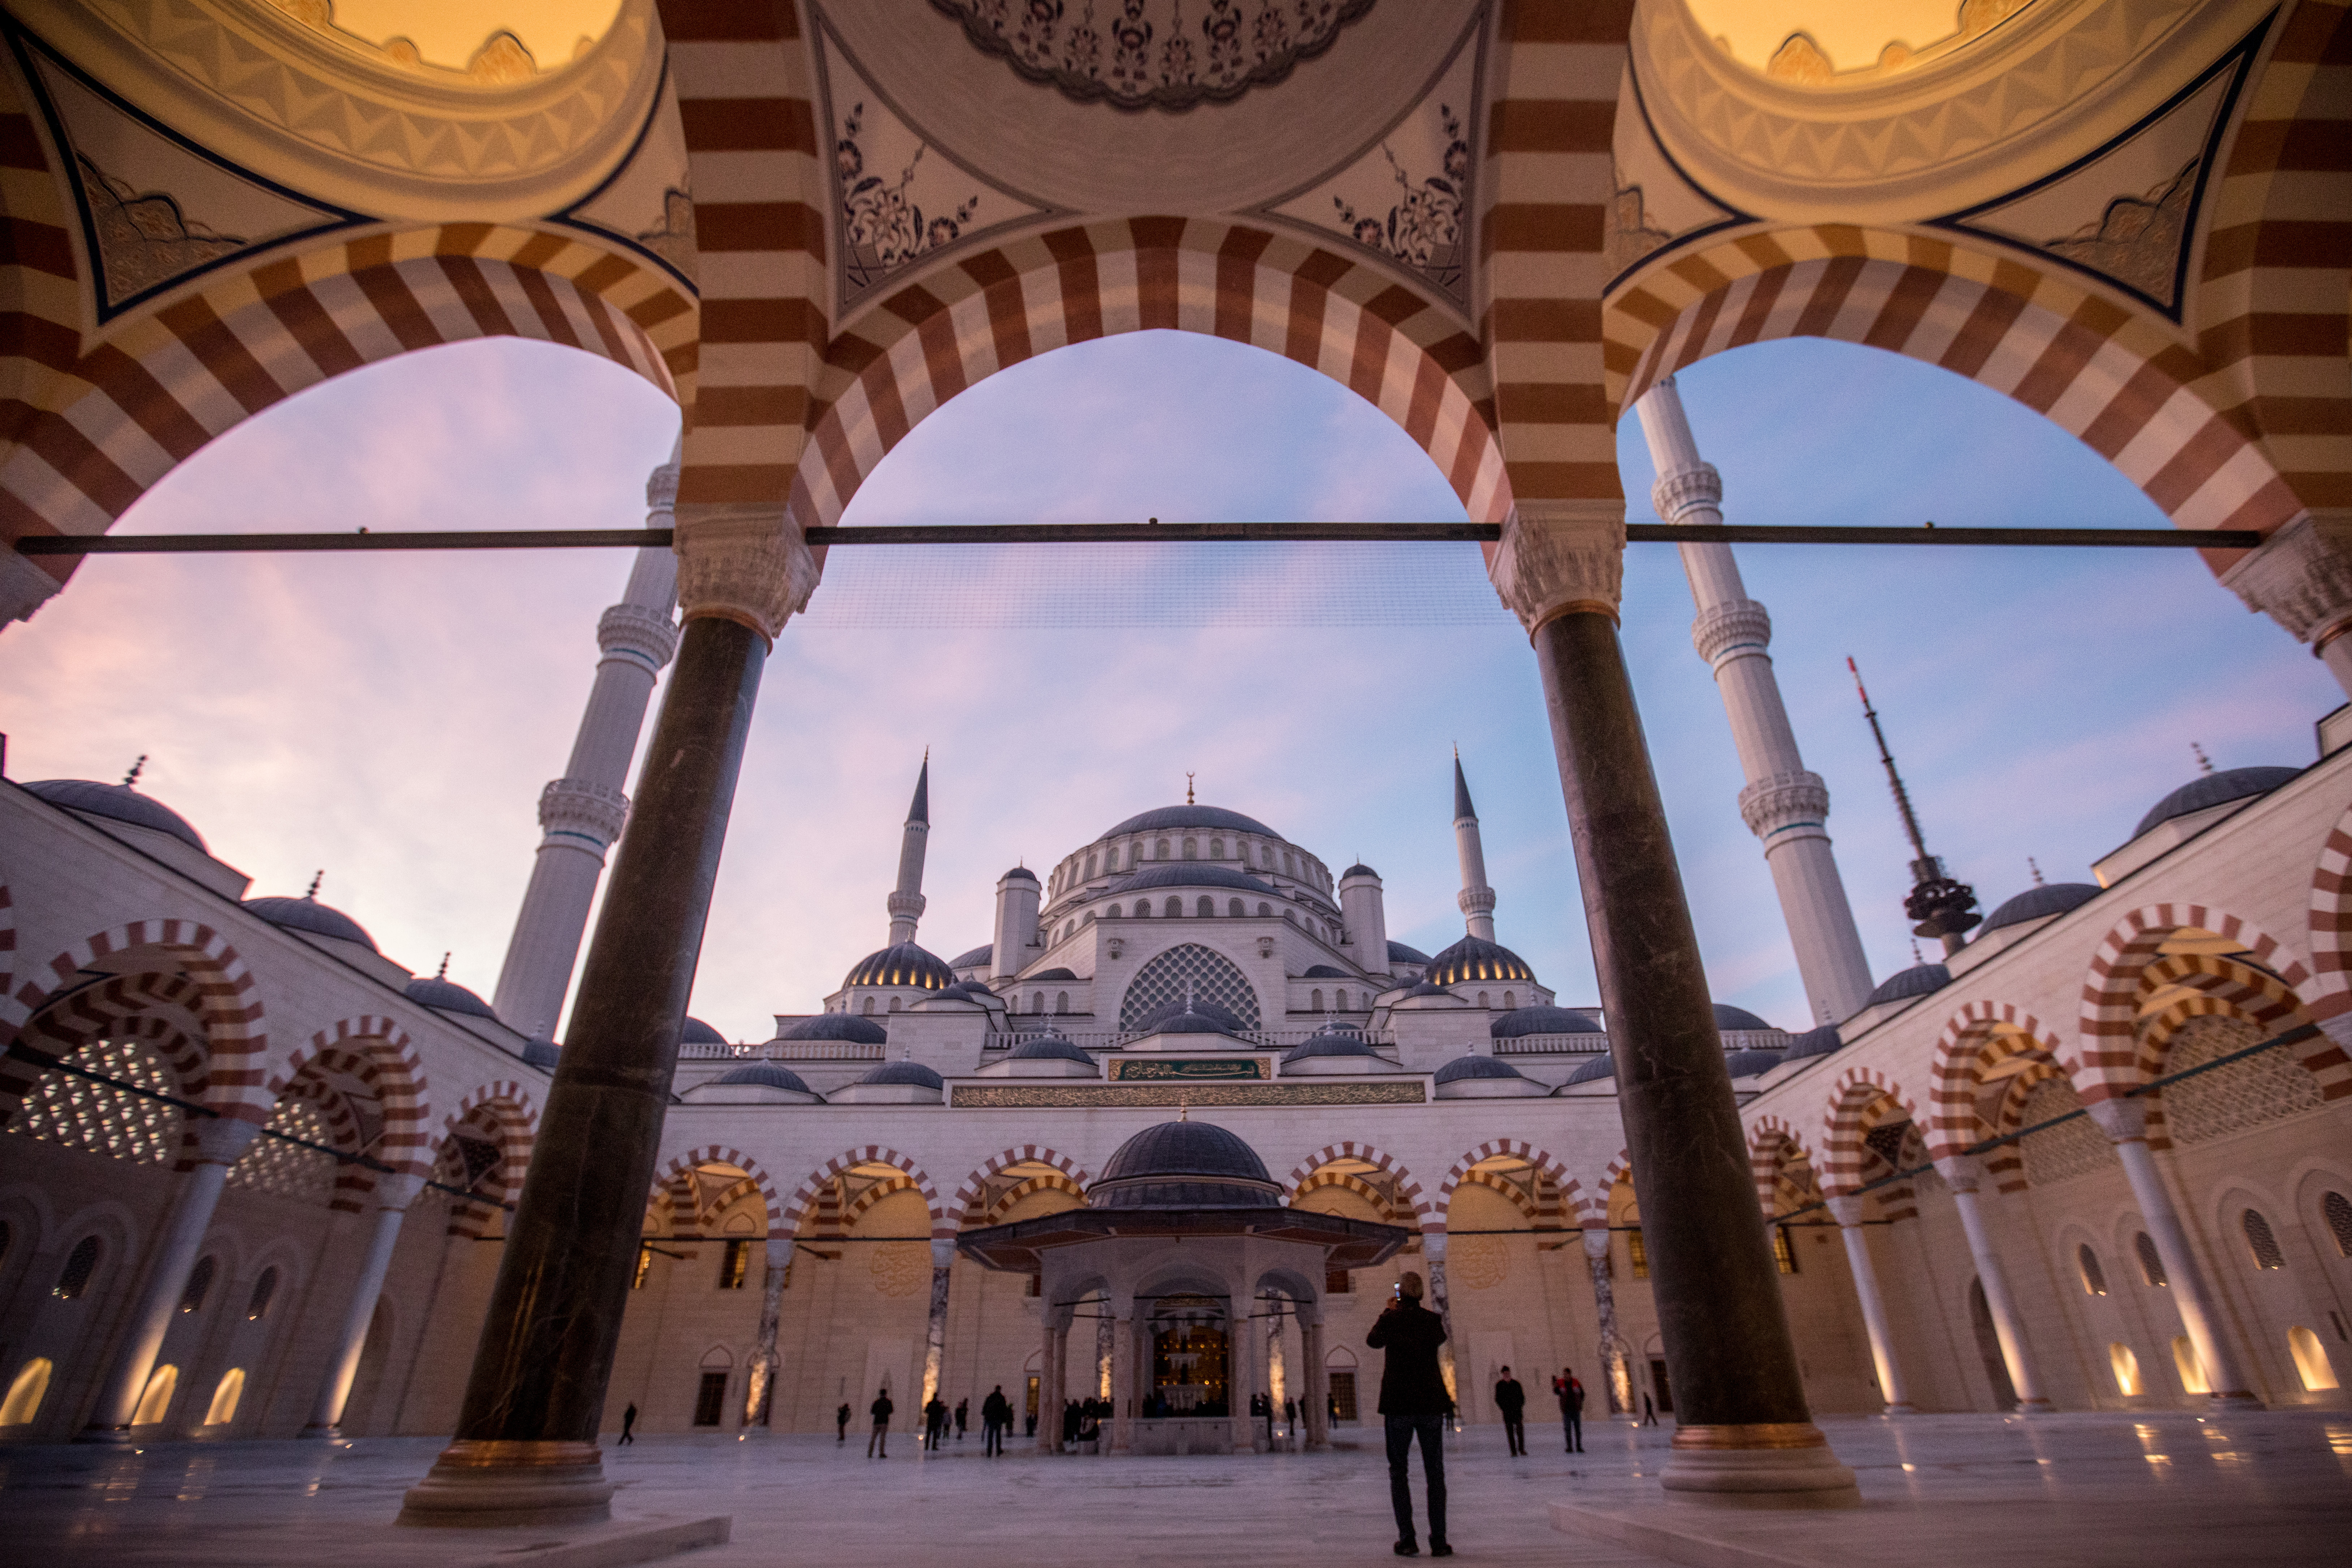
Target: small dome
<point x="1601" y="1066"/>
<point x="543" y="1054"/>
<point x="977" y="956"/>
<point x="970" y="989"/>
<point x="1184" y="1165"/>
<point x="1019" y="874"/>
<point x="905" y="964"/>
<point x="1738" y="1019"/>
<point x="1190" y="874"/>
<point x="1916" y="981"/>
<point x="1042" y="1048"/>
<point x="1324" y="972"/>
<point x="913" y="1073"/>
<point x="311" y="915"/>
<point x="697" y="1033"/>
<point x="1818" y="1042"/>
<point x="1400" y="954"/>
<point x="1358" y="869"/>
<point x="2034" y="903"/>
<point x="764" y="1074"/>
<point x="1474" y="958"/>
<point x="1169" y="818"/>
<point x="2214" y="789"/>
<point x="1461" y="1067"/>
<point x="118" y="803"/>
<point x="1430" y="988"/>
<point x="1748" y="1064"/>
<point x="446" y="996"/>
<point x="837" y="1026"/>
<point x="1544" y="1021"/>
<point x="1191" y="1016"/>
<point x="1329" y="1045"/>
<point x="1045" y="975"/>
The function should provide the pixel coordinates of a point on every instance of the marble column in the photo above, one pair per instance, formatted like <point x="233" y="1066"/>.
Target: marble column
<point x="218" y="1141"/>
<point x="393" y="1195"/>
<point x="1049" y="1389"/>
<point x="1744" y="1432"/>
<point x="1964" y="1175"/>
<point x="1125" y="1377"/>
<point x="2302" y="578"/>
<point x="760" y="1386"/>
<point x="1315" y="1397"/>
<point x="525" y="1452"/>
<point x="1616" y="1374"/>
<point x="1432" y="1248"/>
<point x="935" y="1333"/>
<point x="1103" y="1377"/>
<point x="1847" y="1212"/>
<point x="1242" y="1379"/>
<point x="2125" y="1122"/>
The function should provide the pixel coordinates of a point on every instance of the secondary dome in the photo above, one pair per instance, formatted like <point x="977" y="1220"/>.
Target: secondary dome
<point x="1543" y="1021"/>
<point x="1818" y="1042"/>
<point x="913" y="1074"/>
<point x="2214" y="789"/>
<point x="976" y="956"/>
<point x="905" y="964"/>
<point x="1482" y="1078"/>
<point x="1169" y="818"/>
<point x="697" y="1033"/>
<point x="1400" y="954"/>
<point x="118" y="803"/>
<point x="2033" y="904"/>
<point x="1331" y="1044"/>
<point x="1324" y="972"/>
<point x="1601" y="1066"/>
<point x="764" y="1075"/>
<point x="1184" y="1165"/>
<point x="1748" y="1064"/>
<point x="1461" y="1067"/>
<point x="1193" y="1015"/>
<point x="311" y="915"/>
<point x="1474" y="958"/>
<point x="1048" y="1047"/>
<point x="1189" y="874"/>
<point x="1736" y="1019"/>
<point x="837" y="1026"/>
<point x="1358" y="869"/>
<point x="1916" y="981"/>
<point x="446" y="996"/>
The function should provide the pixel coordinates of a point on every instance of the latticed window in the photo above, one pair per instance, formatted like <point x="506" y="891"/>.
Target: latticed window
<point x="2338" y="1210"/>
<point x="2264" y="1088"/>
<point x="2069" y="1149"/>
<point x="99" y="1118"/>
<point x="1201" y="973"/>
<point x="200" y="1284"/>
<point x="1784" y="1256"/>
<point x="2260" y="1241"/>
<point x="2094" y="1278"/>
<point x="2151" y="1261"/>
<point x="1637" y="1253"/>
<point x="288" y="1169"/>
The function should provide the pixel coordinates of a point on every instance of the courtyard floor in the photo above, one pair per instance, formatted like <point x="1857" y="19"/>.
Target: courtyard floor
<point x="2099" y="1492"/>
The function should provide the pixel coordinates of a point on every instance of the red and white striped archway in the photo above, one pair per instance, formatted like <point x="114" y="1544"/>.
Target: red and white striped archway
<point x="225" y="1001"/>
<point x="1980" y="1037"/>
<point x="1408" y="1191"/>
<point x="805" y="1196"/>
<point x="2111" y="1061"/>
<point x="387" y="1063"/>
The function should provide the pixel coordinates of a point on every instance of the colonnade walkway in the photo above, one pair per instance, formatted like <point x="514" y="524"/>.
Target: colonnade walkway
<point x="2093" y="1490"/>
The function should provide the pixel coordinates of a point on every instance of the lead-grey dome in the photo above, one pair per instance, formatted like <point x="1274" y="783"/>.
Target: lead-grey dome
<point x="977" y="955"/>
<point x="1184" y="1165"/>
<point x="311" y="915"/>
<point x="1461" y="1068"/>
<point x="1543" y="1021"/>
<point x="1601" y="1066"/>
<point x="1038" y="1048"/>
<point x="1331" y="1044"/>
<point x="2055" y="899"/>
<point x="914" y="1073"/>
<point x="118" y="803"/>
<point x="2214" y="789"/>
<point x="1818" y="1042"/>
<point x="1738" y="1019"/>
<point x="837" y="1026"/>
<point x="543" y="1054"/>
<point x="1323" y="972"/>
<point x="764" y="1074"/>
<point x="1358" y="869"/>
<point x="1916" y="981"/>
<point x="905" y="964"/>
<point x="1749" y="1064"/>
<point x="1193" y="1015"/>
<point x="697" y="1033"/>
<point x="1189" y="874"/>
<point x="1400" y="954"/>
<point x="446" y="996"/>
<point x="1474" y="958"/>
<point x="1169" y="818"/>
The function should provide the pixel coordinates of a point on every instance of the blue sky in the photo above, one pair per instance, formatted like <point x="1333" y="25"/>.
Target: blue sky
<point x="391" y="718"/>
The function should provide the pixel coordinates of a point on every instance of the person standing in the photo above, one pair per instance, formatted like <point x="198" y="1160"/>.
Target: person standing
<point x="963" y="1417"/>
<point x="878" y="1445"/>
<point x="995" y="1416"/>
<point x="1570" y="1395"/>
<point x="841" y="1423"/>
<point x="1413" y="1401"/>
<point x="1649" y="1411"/>
<point x="1511" y="1399"/>
<point x="628" y="1420"/>
<point x="935" y="1422"/>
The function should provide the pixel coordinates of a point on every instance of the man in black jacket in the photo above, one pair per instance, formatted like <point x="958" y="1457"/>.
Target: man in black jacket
<point x="1511" y="1399"/>
<point x="1413" y="1400"/>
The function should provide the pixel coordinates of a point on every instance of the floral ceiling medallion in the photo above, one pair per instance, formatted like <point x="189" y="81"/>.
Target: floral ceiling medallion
<point x="1147" y="54"/>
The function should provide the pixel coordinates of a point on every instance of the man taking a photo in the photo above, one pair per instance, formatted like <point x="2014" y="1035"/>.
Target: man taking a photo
<point x="1413" y="1400"/>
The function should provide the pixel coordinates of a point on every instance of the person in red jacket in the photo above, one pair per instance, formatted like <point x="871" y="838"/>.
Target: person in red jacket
<point x="1413" y="1400"/>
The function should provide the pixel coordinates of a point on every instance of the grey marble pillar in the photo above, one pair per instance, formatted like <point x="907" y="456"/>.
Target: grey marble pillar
<point x="760" y="1388"/>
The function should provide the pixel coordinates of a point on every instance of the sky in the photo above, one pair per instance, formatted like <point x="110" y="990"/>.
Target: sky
<point x="390" y="719"/>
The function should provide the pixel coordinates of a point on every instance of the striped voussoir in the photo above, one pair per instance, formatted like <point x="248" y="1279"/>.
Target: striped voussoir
<point x="319" y="1080"/>
<point x="227" y="1005"/>
<point x="500" y="1114"/>
<point x="1773" y="1145"/>
<point x="1512" y="1191"/>
<point x="824" y="1175"/>
<point x="98" y="1011"/>
<point x="1408" y="1191"/>
<point x="2271" y="299"/>
<point x="889" y="1186"/>
<point x="1542" y="232"/>
<point x="1051" y="1182"/>
<point x="1980" y="1036"/>
<point x="2120" y="382"/>
<point x="2223" y="987"/>
<point x="40" y="286"/>
<point x="678" y="1176"/>
<point x="128" y="408"/>
<point x="973" y="1192"/>
<point x="390" y="1067"/>
<point x="1461" y="1169"/>
<point x="1389" y="1212"/>
<point x="1859" y="1091"/>
<point x="2110" y="1060"/>
<point x="971" y="318"/>
<point x="2005" y="1167"/>
<point x="1619" y="1169"/>
<point x="17" y="1000"/>
<point x="2329" y="994"/>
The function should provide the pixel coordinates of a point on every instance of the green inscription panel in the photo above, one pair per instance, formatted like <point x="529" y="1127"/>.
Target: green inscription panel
<point x="1174" y="1092"/>
<point x="1189" y="1069"/>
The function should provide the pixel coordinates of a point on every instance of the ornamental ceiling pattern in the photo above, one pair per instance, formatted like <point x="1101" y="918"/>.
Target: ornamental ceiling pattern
<point x="648" y="204"/>
<point x="1145" y="54"/>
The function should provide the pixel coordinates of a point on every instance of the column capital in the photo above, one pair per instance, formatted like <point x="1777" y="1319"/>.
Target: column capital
<point x="1676" y="493"/>
<point x="746" y="563"/>
<point x="1558" y="557"/>
<point x="574" y="808"/>
<point x="1961" y="1173"/>
<point x="1846" y="1209"/>
<point x="1596" y="1241"/>
<point x="943" y="1251"/>
<point x="395" y="1190"/>
<point x="661" y="488"/>
<point x="2302" y="576"/>
<point x="2123" y="1119"/>
<point x="634" y="628"/>
<point x="1781" y="801"/>
<point x="1733" y="625"/>
<point x="1433" y="1246"/>
<point x="220" y="1140"/>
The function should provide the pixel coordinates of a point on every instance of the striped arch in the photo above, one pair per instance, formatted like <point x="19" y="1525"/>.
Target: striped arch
<point x="965" y="321"/>
<point x="1518" y="1200"/>
<point x="2110" y="1016"/>
<point x="1571" y="1195"/>
<point x="974" y="1194"/>
<point x="226" y="1003"/>
<point x="2220" y="986"/>
<point x="681" y="1170"/>
<point x="1980" y="1037"/>
<point x="1772" y="1147"/>
<point x="40" y="284"/>
<point x="96" y="1011"/>
<point x="1619" y="1169"/>
<point x="390" y="1067"/>
<point x="889" y="1186"/>
<point x="1345" y="1183"/>
<point x="1858" y="1092"/>
<point x="2122" y="385"/>
<point x="1051" y="1182"/>
<point x="2006" y="1165"/>
<point x="816" y="1181"/>
<point x="503" y="1114"/>
<point x="2329" y="994"/>
<point x="314" y="1082"/>
<point x="16" y="1001"/>
<point x="1408" y="1190"/>
<point x="127" y="408"/>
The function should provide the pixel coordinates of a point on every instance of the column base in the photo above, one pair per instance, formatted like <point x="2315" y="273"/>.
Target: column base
<point x="2239" y="1400"/>
<point x="328" y="1433"/>
<point x="1906" y="1408"/>
<point x="119" y="1437"/>
<point x="1766" y="1465"/>
<point x="2036" y="1408"/>
<point x="493" y="1485"/>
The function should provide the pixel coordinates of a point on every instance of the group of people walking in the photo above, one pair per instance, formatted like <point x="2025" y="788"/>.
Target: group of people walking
<point x="996" y="1421"/>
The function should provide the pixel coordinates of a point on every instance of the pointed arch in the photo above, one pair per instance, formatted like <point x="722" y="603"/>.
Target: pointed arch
<point x="973" y="1191"/>
<point x="226" y="1002"/>
<point x="1346" y="1181"/>
<point x="1408" y="1190"/>
<point x="1858" y="1092"/>
<point x="2329" y="925"/>
<point x="1048" y="1182"/>
<point x="805" y="1195"/>
<point x="500" y="1114"/>
<point x="391" y="1069"/>
<point x="681" y="1169"/>
<point x="2110" y="1013"/>
<point x="1979" y="1038"/>
<point x="1572" y="1195"/>
<point x="1773" y="1146"/>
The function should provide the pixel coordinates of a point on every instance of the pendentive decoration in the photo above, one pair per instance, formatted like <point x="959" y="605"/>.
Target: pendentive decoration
<point x="1146" y="54"/>
<point x="648" y="204"/>
<point x="1654" y="205"/>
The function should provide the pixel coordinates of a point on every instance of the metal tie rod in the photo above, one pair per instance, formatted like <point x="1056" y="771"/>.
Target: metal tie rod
<point x="1140" y="533"/>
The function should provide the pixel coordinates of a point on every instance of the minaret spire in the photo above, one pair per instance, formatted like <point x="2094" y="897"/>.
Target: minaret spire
<point x="906" y="903"/>
<point x="1476" y="899"/>
<point x="1942" y="907"/>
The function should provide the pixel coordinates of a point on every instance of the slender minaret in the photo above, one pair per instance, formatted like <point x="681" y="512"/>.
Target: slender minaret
<point x="582" y="812"/>
<point x="906" y="902"/>
<point x="1476" y="899"/>
<point x="1783" y="805"/>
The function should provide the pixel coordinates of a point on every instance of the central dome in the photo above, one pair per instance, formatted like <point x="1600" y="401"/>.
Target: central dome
<point x="905" y="964"/>
<point x="1184" y="1165"/>
<point x="1179" y="816"/>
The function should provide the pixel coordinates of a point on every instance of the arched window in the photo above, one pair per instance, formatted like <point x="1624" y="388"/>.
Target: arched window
<point x="1036" y="1001"/>
<point x="2192" y="1370"/>
<point x="1061" y="1001"/>
<point x="1191" y="849"/>
<point x="1113" y="912"/>
<point x="2151" y="1262"/>
<point x="868" y="1008"/>
<point x="80" y="1264"/>
<point x="1090" y="868"/>
<point x="1216" y="848"/>
<point x="1234" y="910"/>
<point x="894" y="1004"/>
<point x="200" y="1284"/>
<point x="1263" y="909"/>
<point x="2261" y="1242"/>
<point x="1289" y="866"/>
<point x="1290" y="915"/>
<point x="1110" y="858"/>
<point x="1315" y="1000"/>
<point x="1510" y="1001"/>
<point x="1266" y="855"/>
<point x="2337" y="1208"/>
<point x="1482" y="998"/>
<point x="2311" y="1362"/>
<point x="1206" y="907"/>
<point x="1175" y="907"/>
<point x="1343" y="1002"/>
<point x="2126" y="1368"/>
<point x="1188" y="969"/>
<point x="257" y="1305"/>
<point x="226" y="1394"/>
<point x="156" y="1401"/>
<point x="1159" y="850"/>
<point x="25" y="1393"/>
<point x="1143" y="909"/>
<point x="2086" y="1263"/>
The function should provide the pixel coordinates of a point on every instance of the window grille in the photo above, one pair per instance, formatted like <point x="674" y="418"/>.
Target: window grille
<point x="2261" y="1242"/>
<point x="258" y="1307"/>
<point x="98" y="1118"/>
<point x="1233" y="910"/>
<point x="2335" y="1206"/>
<point x="288" y="1169"/>
<point x="200" y="1285"/>
<point x="2260" y="1090"/>
<point x="1784" y="1256"/>
<point x="1172" y="908"/>
<point x="734" y="1267"/>
<point x="645" y="1267"/>
<point x="711" y="1399"/>
<point x="1343" y="1395"/>
<point x="80" y="1264"/>
<point x="1208" y="975"/>
<point x="2072" y="1149"/>
<point x="1637" y="1253"/>
<point x="2094" y="1278"/>
<point x="2151" y="1262"/>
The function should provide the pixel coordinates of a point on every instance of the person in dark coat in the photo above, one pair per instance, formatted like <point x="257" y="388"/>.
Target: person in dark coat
<point x="878" y="1445"/>
<point x="628" y="1421"/>
<point x="1570" y="1395"/>
<point x="963" y="1417"/>
<point x="841" y="1423"/>
<point x="995" y="1416"/>
<point x="1414" y="1402"/>
<point x="1511" y="1399"/>
<point x="935" y="1422"/>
